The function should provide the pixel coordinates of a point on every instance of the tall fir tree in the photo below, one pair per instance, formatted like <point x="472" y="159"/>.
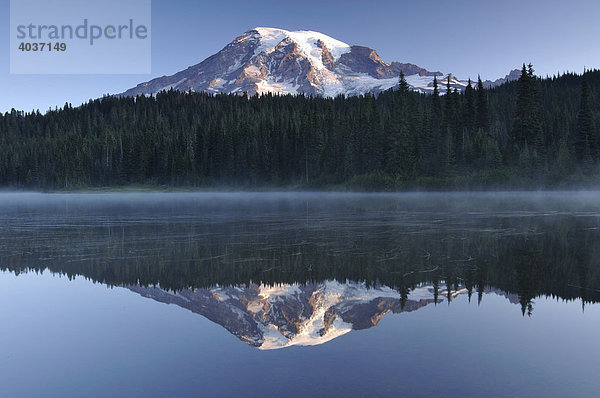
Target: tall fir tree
<point x="469" y="113"/>
<point x="448" y="142"/>
<point x="403" y="86"/>
<point x="585" y="145"/>
<point x="483" y="116"/>
<point x="538" y="138"/>
<point x="519" y="127"/>
<point x="527" y="127"/>
<point x="399" y="156"/>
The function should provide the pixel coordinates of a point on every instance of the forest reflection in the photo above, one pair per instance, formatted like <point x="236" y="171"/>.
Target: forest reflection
<point x="546" y="249"/>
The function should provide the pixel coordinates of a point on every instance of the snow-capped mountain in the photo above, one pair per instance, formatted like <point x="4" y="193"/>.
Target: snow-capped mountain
<point x="273" y="60"/>
<point x="286" y="315"/>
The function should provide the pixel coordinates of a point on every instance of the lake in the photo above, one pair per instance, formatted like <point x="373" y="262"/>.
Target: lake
<point x="300" y="294"/>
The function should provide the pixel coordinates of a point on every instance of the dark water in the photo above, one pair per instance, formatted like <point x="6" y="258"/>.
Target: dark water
<point x="186" y="295"/>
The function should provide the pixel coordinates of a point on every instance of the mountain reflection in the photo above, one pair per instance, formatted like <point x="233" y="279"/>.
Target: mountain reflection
<point x="272" y="317"/>
<point x="285" y="270"/>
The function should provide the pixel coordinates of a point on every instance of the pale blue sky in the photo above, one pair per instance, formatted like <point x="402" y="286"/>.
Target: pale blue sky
<point x="463" y="37"/>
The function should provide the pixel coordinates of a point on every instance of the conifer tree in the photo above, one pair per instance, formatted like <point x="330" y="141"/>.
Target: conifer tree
<point x="435" y="97"/>
<point x="403" y="85"/>
<point x="585" y="144"/>
<point x="483" y="117"/>
<point x="527" y="127"/>
<point x="447" y="151"/>
<point x="398" y="154"/>
<point x="436" y="135"/>
<point x="469" y="114"/>
<point x="519" y="128"/>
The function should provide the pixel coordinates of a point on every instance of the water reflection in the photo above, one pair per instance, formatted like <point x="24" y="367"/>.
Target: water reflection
<point x="273" y="317"/>
<point x="298" y="269"/>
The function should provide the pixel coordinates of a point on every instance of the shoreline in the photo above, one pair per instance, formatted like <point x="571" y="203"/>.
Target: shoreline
<point x="243" y="190"/>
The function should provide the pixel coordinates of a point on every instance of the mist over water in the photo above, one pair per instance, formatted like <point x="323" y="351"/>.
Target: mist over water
<point x="298" y="237"/>
<point x="346" y="283"/>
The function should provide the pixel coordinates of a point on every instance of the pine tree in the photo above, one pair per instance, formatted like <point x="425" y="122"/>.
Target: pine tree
<point x="519" y="128"/>
<point x="527" y="127"/>
<point x="403" y="85"/>
<point x="483" y="117"/>
<point x="398" y="154"/>
<point x="436" y="135"/>
<point x="585" y="146"/>
<point x="435" y="97"/>
<point x="469" y="114"/>
<point x="448" y="108"/>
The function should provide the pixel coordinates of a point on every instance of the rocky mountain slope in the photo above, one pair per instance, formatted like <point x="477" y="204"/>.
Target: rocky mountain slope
<point x="269" y="60"/>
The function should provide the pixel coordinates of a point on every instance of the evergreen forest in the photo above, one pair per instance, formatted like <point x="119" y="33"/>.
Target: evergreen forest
<point x="527" y="134"/>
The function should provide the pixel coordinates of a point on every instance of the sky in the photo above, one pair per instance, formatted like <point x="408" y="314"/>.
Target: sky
<point x="464" y="37"/>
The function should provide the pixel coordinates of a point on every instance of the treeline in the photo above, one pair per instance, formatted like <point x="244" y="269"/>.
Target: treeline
<point x="531" y="133"/>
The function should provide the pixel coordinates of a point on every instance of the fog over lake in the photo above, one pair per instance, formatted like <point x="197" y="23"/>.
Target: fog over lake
<point x="299" y="294"/>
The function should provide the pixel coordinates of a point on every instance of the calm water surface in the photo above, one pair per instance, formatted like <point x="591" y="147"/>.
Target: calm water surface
<point x="300" y="294"/>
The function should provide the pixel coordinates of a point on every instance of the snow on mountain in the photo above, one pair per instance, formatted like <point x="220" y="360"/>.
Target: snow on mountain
<point x="269" y="60"/>
<point x="306" y="41"/>
<point x="273" y="317"/>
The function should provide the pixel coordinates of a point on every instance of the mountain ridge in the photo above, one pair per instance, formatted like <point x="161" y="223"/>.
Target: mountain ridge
<point x="272" y="60"/>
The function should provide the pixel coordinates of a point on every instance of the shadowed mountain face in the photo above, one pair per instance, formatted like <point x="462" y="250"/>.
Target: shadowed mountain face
<point x="268" y="60"/>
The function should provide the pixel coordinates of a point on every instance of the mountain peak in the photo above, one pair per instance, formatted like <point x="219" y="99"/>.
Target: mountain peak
<point x="306" y="40"/>
<point x="274" y="60"/>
